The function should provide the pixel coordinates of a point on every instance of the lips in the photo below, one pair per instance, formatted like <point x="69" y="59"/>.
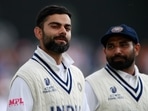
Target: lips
<point x="62" y="38"/>
<point x="60" y="41"/>
<point x="118" y="58"/>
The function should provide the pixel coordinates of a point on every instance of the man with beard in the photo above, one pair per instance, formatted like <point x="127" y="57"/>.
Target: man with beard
<point x="48" y="81"/>
<point x="119" y="86"/>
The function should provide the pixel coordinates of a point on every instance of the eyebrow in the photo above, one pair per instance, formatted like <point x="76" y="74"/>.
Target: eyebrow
<point x="57" y="23"/>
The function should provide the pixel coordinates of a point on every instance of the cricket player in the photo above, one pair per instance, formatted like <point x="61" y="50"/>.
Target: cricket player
<point x="49" y="81"/>
<point x="119" y="86"/>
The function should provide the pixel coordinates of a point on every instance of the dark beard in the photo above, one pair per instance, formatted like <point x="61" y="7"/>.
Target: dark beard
<point x="58" y="48"/>
<point x="120" y="65"/>
<point x="51" y="45"/>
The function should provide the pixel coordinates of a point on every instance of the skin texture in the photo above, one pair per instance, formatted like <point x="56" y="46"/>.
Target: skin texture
<point x="57" y="28"/>
<point x="121" y="53"/>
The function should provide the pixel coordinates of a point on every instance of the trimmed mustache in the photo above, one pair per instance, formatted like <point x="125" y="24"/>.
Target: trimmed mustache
<point x="61" y="38"/>
<point x="118" y="56"/>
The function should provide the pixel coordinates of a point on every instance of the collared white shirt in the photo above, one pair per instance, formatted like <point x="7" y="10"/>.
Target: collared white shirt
<point x="92" y="100"/>
<point x="20" y="88"/>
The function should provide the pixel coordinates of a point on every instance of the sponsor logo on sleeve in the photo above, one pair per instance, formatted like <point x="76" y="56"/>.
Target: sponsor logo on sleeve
<point x="16" y="102"/>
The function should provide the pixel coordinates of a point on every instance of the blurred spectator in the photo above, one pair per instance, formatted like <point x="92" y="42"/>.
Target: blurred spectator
<point x="80" y="52"/>
<point x="142" y="59"/>
<point x="4" y="86"/>
<point x="8" y="37"/>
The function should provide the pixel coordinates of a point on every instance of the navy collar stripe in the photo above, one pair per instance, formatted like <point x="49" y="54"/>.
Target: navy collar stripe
<point x="65" y="85"/>
<point x="50" y="69"/>
<point x="134" y="89"/>
<point x="130" y="92"/>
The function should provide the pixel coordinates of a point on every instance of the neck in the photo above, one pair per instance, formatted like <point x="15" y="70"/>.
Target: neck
<point x="57" y="57"/>
<point x="130" y="70"/>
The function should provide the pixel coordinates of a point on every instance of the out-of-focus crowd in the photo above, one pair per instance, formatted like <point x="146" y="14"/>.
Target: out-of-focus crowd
<point x="14" y="51"/>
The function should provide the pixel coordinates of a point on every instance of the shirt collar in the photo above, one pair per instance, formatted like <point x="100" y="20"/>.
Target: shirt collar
<point x="67" y="60"/>
<point x="126" y="75"/>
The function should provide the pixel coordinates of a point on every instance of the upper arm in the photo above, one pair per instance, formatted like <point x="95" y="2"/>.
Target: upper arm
<point x="20" y="97"/>
<point x="91" y="97"/>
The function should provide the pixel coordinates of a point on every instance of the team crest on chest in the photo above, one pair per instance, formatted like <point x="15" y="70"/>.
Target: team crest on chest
<point x="114" y="94"/>
<point x="48" y="87"/>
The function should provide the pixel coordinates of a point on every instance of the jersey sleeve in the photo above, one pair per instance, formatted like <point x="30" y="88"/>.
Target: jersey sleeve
<point x="20" y="97"/>
<point x="91" y="97"/>
<point x="85" y="106"/>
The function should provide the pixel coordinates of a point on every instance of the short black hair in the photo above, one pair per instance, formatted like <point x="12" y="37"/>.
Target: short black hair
<point x="50" y="10"/>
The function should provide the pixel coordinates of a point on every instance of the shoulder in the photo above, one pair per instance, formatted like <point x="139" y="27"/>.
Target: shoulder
<point x="74" y="68"/>
<point x="144" y="76"/>
<point x="96" y="74"/>
<point x="77" y="73"/>
<point x="29" y="68"/>
<point x="28" y="71"/>
<point x="30" y="64"/>
<point x="99" y="77"/>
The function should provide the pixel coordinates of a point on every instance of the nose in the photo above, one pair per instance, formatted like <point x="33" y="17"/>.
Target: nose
<point x="62" y="30"/>
<point x="117" y="50"/>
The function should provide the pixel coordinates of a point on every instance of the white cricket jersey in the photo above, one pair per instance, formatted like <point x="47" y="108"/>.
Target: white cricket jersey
<point x="41" y="85"/>
<point x="112" y="90"/>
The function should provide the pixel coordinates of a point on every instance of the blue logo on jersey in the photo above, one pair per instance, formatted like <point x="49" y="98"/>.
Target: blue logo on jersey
<point x="48" y="88"/>
<point x="114" y="95"/>
<point x="47" y="81"/>
<point x="113" y="89"/>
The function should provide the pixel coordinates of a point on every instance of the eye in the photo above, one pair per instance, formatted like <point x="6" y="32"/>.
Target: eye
<point x="55" y="26"/>
<point x="68" y="28"/>
<point x="124" y="44"/>
<point x="109" y="46"/>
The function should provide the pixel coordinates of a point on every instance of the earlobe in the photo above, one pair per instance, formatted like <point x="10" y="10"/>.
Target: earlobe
<point x="38" y="32"/>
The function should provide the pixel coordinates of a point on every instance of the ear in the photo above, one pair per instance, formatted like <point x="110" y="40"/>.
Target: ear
<point x="104" y="51"/>
<point x="137" y="49"/>
<point x="38" y="33"/>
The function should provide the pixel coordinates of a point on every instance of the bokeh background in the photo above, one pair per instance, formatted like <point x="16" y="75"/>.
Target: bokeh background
<point x="91" y="19"/>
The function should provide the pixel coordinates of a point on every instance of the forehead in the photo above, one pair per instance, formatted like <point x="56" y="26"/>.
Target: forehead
<point x="118" y="38"/>
<point x="61" y="18"/>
